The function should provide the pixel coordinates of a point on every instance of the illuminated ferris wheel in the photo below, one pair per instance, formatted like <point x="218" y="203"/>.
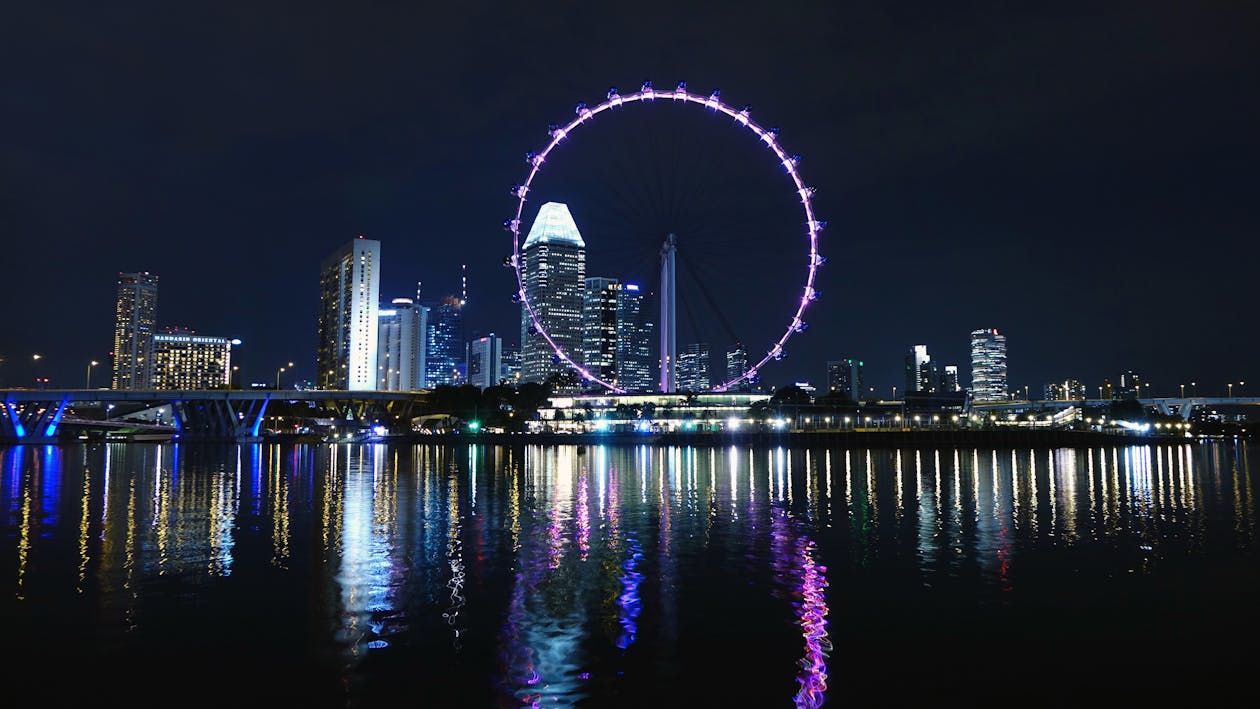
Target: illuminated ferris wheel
<point x="810" y="229"/>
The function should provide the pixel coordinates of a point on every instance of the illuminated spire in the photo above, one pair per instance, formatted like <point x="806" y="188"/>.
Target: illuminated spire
<point x="554" y="225"/>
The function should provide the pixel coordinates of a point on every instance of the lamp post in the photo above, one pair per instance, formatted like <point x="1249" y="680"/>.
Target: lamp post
<point x="278" y="372"/>
<point x="1183" y="390"/>
<point x="233" y="379"/>
<point x="87" y="384"/>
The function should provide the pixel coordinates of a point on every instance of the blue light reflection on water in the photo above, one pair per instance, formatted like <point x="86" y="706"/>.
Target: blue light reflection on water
<point x="554" y="576"/>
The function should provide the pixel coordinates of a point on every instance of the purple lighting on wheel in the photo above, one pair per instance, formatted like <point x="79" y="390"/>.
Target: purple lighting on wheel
<point x="768" y="136"/>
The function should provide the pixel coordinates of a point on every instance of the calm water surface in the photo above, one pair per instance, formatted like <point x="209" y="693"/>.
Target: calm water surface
<point x="484" y="576"/>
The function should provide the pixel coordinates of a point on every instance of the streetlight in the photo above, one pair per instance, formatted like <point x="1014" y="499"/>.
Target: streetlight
<point x="1183" y="390"/>
<point x="278" y="372"/>
<point x="232" y="380"/>
<point x="87" y="384"/>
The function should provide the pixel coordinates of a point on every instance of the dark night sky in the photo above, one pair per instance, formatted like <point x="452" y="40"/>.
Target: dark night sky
<point x="1081" y="176"/>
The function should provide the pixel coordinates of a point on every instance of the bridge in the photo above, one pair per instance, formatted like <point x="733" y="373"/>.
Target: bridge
<point x="36" y="415"/>
<point x="1169" y="406"/>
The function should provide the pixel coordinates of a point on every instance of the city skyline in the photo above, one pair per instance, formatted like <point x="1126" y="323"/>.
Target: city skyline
<point x="1049" y="191"/>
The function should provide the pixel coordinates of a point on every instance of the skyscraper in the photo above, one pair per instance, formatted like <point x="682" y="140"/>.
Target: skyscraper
<point x="844" y="378"/>
<point x="349" y="288"/>
<point x="444" y="361"/>
<point x="988" y="365"/>
<point x="599" y="327"/>
<point x="634" y="341"/>
<point x="135" y="316"/>
<point x="921" y="376"/>
<point x="184" y="360"/>
<point x="553" y="270"/>
<point x="401" y="346"/>
<point x="485" y="361"/>
<point x="737" y="364"/>
<point x="949" y="379"/>
<point x="511" y="364"/>
<point x="693" y="367"/>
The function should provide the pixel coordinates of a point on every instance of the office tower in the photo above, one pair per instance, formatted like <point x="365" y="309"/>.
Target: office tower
<point x="184" y="360"/>
<point x="949" y="379"/>
<point x="736" y="365"/>
<point x="400" y="350"/>
<point x="844" y="378"/>
<point x="485" y="361"/>
<point x="921" y="374"/>
<point x="553" y="269"/>
<point x="510" y="364"/>
<point x="634" y="341"/>
<point x="669" y="325"/>
<point x="135" y="316"/>
<point x="599" y="327"/>
<point x="349" y="290"/>
<point x="693" y="367"/>
<point x="988" y="365"/>
<point x="444" y="361"/>
<point x="1074" y="389"/>
<point x="1130" y="386"/>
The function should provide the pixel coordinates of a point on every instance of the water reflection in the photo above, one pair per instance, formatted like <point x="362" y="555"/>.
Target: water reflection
<point x="581" y="572"/>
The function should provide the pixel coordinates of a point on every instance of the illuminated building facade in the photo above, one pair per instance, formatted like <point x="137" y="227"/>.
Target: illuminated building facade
<point x="844" y="378"/>
<point x="634" y="341"/>
<point x="1066" y="390"/>
<point x="599" y="327"/>
<point x="510" y="364"/>
<point x="400" y="349"/>
<point x="693" y="367"/>
<point x="444" y="361"/>
<point x="921" y="374"/>
<point x="554" y="272"/>
<point x="949" y="379"/>
<point x="988" y="365"/>
<point x="135" y="317"/>
<point x="184" y="360"/>
<point x="349" y="288"/>
<point x="485" y="361"/>
<point x="737" y="364"/>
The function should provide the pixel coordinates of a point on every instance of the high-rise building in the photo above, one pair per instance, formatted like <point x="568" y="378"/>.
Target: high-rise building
<point x="135" y="316"/>
<point x="988" y="365"/>
<point x="635" y="367"/>
<point x="184" y="360"/>
<point x="510" y="364"/>
<point x="485" y="361"/>
<point x="349" y="288"/>
<point x="554" y="270"/>
<point x="736" y="365"/>
<point x="1130" y="386"/>
<point x="1066" y="390"/>
<point x="844" y="378"/>
<point x="949" y="379"/>
<point x="400" y="350"/>
<point x="921" y="374"/>
<point x="599" y="327"/>
<point x="446" y="354"/>
<point x="693" y="367"/>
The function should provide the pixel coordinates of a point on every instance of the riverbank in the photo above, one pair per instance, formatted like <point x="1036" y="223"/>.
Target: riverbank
<point x="989" y="438"/>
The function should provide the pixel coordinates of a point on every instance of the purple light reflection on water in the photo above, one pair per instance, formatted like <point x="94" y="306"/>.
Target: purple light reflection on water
<point x="792" y="556"/>
<point x="812" y="611"/>
<point x="583" y="516"/>
<point x="628" y="603"/>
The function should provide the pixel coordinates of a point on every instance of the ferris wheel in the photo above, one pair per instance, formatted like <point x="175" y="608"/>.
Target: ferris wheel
<point x="809" y="259"/>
